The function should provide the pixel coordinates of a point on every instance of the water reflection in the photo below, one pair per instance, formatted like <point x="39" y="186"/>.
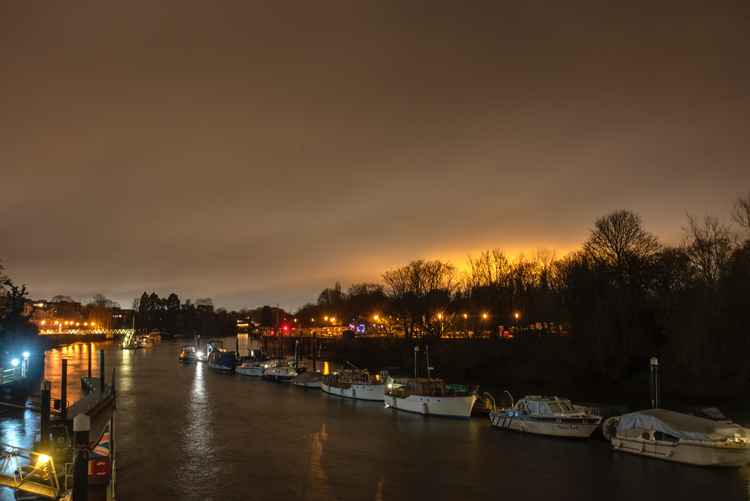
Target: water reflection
<point x="197" y="440"/>
<point x="77" y="356"/>
<point x="318" y="475"/>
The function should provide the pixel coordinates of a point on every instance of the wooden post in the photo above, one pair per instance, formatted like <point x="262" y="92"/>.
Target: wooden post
<point x="314" y="361"/>
<point x="101" y="371"/>
<point x="44" y="425"/>
<point x="654" y="365"/>
<point x="91" y="347"/>
<point x="64" y="389"/>
<point x="81" y="430"/>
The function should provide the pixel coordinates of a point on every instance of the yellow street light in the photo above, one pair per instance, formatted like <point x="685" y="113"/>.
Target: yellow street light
<point x="440" y="316"/>
<point x="44" y="322"/>
<point x="325" y="318"/>
<point x="333" y="319"/>
<point x="376" y="317"/>
<point x="516" y="315"/>
<point x="42" y="459"/>
<point x="484" y="316"/>
<point x="466" y="315"/>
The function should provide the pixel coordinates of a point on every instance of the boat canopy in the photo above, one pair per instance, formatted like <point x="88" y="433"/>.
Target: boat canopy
<point x="545" y="406"/>
<point x="683" y="426"/>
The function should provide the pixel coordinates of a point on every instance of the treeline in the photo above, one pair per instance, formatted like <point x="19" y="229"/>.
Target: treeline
<point x="623" y="297"/>
<point x="172" y="316"/>
<point x="15" y="324"/>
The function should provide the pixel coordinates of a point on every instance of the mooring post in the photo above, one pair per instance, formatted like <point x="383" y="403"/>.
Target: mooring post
<point x="101" y="371"/>
<point x="91" y="347"/>
<point x="81" y="430"/>
<point x="314" y="361"/>
<point x="654" y="364"/>
<point x="44" y="425"/>
<point x="237" y="344"/>
<point x="64" y="389"/>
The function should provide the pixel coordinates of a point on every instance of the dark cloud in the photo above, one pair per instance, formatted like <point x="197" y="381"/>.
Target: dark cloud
<point x="257" y="151"/>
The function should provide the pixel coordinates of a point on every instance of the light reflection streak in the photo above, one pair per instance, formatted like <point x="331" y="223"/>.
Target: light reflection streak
<point x="197" y="440"/>
<point x="318" y="475"/>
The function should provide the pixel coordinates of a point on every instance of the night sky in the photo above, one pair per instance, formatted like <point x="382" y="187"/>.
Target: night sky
<point x="259" y="151"/>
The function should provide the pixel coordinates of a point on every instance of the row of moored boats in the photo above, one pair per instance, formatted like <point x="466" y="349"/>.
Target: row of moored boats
<point x="656" y="433"/>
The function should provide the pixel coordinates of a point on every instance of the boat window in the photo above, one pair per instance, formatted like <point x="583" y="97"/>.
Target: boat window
<point x="665" y="437"/>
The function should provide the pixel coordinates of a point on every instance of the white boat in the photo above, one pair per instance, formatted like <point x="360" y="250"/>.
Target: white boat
<point x="188" y="354"/>
<point x="308" y="379"/>
<point x="682" y="438"/>
<point x="280" y="371"/>
<point x="430" y="397"/>
<point x="251" y="368"/>
<point x="552" y="416"/>
<point x="356" y="384"/>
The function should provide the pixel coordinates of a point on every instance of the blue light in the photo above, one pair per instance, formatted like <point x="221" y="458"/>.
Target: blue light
<point x="26" y="355"/>
<point x="15" y="362"/>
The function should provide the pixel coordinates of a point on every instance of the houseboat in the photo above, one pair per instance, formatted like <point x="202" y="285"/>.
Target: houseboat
<point x="356" y="384"/>
<point x="430" y="397"/>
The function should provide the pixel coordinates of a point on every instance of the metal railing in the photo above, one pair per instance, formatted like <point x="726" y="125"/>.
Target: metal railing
<point x="28" y="471"/>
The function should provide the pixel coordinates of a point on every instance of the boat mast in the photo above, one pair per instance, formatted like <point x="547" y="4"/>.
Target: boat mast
<point x="416" y="353"/>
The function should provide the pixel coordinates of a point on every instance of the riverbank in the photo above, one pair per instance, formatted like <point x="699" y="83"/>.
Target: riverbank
<point x="535" y="365"/>
<point x="48" y="341"/>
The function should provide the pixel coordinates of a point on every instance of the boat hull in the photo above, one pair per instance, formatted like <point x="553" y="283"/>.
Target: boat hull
<point x="309" y="384"/>
<point x="456" y="407"/>
<point x="220" y="367"/>
<point x="250" y="371"/>
<point x="552" y="427"/>
<point x="694" y="453"/>
<point x="370" y="392"/>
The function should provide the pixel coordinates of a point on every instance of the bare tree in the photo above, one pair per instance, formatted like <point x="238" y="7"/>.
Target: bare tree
<point x="741" y="214"/>
<point x="419" y="288"/>
<point x="619" y="238"/>
<point x="708" y="245"/>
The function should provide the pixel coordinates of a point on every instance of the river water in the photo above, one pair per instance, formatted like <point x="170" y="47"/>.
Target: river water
<point x="185" y="432"/>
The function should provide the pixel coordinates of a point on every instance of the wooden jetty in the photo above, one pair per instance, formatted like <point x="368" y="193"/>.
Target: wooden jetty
<point x="74" y="457"/>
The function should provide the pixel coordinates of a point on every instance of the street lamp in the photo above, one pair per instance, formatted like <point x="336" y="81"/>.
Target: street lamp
<point x="516" y="317"/>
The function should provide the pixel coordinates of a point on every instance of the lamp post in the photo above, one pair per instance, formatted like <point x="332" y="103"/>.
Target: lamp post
<point x="516" y="316"/>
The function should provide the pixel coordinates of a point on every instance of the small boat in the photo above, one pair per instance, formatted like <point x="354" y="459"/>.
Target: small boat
<point x="552" y="416"/>
<point x="429" y="396"/>
<point x="355" y="383"/>
<point x="188" y="354"/>
<point x="251" y="368"/>
<point x="220" y="359"/>
<point x="281" y="371"/>
<point x="682" y="438"/>
<point x="308" y="379"/>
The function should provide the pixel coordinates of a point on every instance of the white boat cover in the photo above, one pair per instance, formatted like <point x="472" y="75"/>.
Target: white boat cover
<point x="683" y="426"/>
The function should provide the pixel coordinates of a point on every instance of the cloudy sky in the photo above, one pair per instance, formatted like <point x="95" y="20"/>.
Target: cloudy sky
<point x="255" y="152"/>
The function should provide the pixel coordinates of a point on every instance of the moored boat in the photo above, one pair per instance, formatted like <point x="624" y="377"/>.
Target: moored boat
<point x="188" y="354"/>
<point x="280" y="371"/>
<point x="220" y="359"/>
<point x="308" y="379"/>
<point x="356" y="384"/>
<point x="682" y="438"/>
<point x="552" y="416"/>
<point x="430" y="397"/>
<point x="251" y="368"/>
